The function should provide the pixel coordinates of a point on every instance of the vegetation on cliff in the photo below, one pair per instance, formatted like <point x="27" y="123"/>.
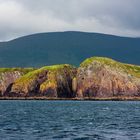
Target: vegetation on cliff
<point x="24" y="70"/>
<point x="96" y="77"/>
<point x="44" y="80"/>
<point x="104" y="77"/>
<point x="8" y="76"/>
<point x="129" y="68"/>
<point x="30" y="76"/>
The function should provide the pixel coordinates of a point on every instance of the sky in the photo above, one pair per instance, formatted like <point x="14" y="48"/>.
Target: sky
<point x="24" y="17"/>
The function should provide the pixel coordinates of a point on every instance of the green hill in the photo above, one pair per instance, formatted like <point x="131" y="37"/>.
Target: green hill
<point x="67" y="47"/>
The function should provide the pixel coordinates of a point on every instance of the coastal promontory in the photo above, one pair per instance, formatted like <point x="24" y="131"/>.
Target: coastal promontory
<point x="96" y="78"/>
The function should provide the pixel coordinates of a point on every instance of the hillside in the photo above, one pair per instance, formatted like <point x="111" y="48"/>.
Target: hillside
<point x="67" y="47"/>
<point x="96" y="78"/>
<point x="100" y="77"/>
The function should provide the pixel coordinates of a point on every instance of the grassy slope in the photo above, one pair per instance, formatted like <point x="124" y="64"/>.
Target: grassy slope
<point x="33" y="74"/>
<point x="27" y="81"/>
<point x="131" y="69"/>
<point x="24" y="70"/>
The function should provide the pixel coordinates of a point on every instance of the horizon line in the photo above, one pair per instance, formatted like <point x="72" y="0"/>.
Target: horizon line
<point x="86" y="32"/>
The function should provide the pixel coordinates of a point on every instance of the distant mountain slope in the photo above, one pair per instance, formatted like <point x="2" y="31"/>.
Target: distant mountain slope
<point x="67" y="47"/>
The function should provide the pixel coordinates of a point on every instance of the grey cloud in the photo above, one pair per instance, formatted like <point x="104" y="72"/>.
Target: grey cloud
<point x="22" y="17"/>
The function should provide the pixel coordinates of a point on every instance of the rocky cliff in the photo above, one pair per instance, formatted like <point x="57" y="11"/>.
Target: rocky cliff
<point x="50" y="81"/>
<point x="8" y="76"/>
<point x="99" y="77"/>
<point x="96" y="78"/>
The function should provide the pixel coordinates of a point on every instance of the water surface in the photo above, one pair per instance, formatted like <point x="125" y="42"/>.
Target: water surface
<point x="76" y="120"/>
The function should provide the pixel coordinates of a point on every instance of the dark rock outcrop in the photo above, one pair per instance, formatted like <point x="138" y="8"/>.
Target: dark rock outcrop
<point x="50" y="81"/>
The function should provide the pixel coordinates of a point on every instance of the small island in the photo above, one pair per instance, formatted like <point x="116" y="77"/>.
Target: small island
<point x="97" y="78"/>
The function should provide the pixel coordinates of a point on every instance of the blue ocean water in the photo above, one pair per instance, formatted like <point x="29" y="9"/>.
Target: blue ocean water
<point x="69" y="120"/>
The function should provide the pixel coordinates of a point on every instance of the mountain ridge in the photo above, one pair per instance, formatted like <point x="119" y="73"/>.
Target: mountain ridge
<point x="84" y="32"/>
<point x="67" y="47"/>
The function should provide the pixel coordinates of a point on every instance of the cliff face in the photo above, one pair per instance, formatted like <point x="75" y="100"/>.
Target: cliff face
<point x="8" y="76"/>
<point x="103" y="78"/>
<point x="96" y="77"/>
<point x="51" y="81"/>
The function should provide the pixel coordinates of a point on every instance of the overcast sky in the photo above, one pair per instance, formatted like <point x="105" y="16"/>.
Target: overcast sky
<point x="23" y="17"/>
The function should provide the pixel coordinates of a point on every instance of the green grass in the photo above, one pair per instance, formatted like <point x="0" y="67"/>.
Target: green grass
<point x="102" y="60"/>
<point x="56" y="67"/>
<point x="24" y="70"/>
<point x="131" y="69"/>
<point x="33" y="74"/>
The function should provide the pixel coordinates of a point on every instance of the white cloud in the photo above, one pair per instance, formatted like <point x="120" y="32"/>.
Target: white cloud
<point x="22" y="17"/>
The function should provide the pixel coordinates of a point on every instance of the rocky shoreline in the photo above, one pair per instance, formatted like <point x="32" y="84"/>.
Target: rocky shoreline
<point x="97" y="78"/>
<point x="73" y="99"/>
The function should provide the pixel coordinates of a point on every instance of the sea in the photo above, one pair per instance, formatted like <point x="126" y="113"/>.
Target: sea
<point x="69" y="120"/>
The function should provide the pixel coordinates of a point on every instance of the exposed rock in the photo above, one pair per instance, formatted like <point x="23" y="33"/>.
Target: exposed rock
<point x="103" y="78"/>
<point x="96" y="77"/>
<point x="8" y="76"/>
<point x="49" y="81"/>
<point x="74" y="84"/>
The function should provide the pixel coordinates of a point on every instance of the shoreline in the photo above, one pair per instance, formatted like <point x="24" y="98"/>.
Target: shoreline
<point x="73" y="99"/>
